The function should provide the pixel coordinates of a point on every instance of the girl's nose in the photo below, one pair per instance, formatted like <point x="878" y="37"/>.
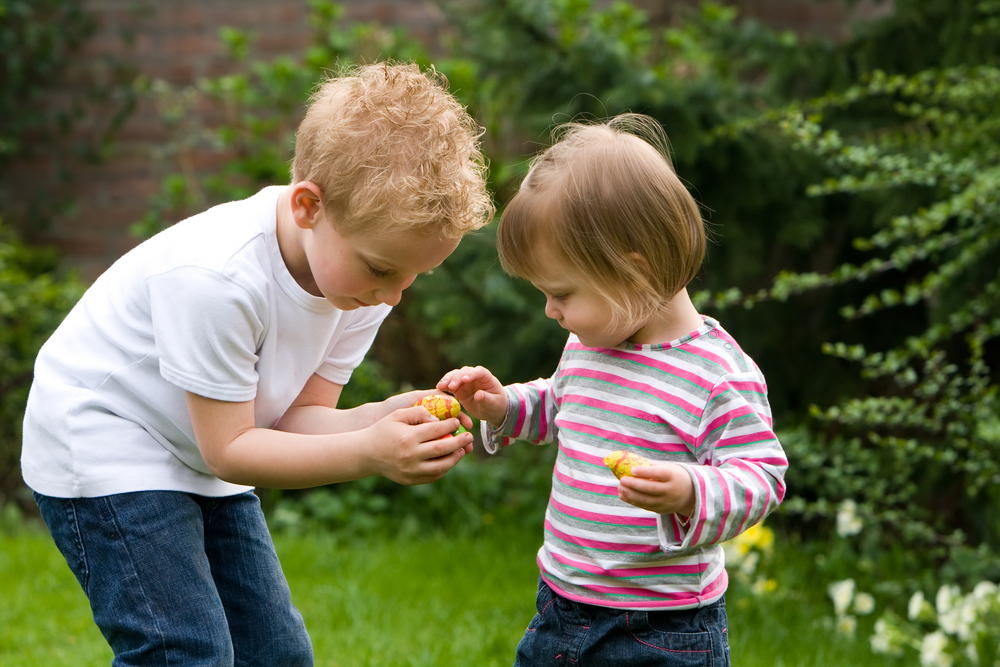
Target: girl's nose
<point x="551" y="311"/>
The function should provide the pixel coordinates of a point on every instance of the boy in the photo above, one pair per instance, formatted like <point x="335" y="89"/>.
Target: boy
<point x="210" y="359"/>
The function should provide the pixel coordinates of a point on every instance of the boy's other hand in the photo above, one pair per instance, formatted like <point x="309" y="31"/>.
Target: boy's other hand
<point x="410" y="446"/>
<point x="479" y="392"/>
<point x="664" y="488"/>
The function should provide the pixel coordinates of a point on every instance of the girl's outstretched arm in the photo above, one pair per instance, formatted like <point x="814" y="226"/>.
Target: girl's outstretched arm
<point x="479" y="392"/>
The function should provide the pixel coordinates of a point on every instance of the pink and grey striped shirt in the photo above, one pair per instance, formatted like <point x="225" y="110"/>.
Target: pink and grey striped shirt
<point x="699" y="402"/>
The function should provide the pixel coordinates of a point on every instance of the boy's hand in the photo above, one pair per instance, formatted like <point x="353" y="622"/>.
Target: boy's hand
<point x="410" y="446"/>
<point x="478" y="391"/>
<point x="664" y="488"/>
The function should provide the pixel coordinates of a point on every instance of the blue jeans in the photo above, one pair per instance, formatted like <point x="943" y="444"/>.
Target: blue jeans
<point x="180" y="579"/>
<point x="571" y="634"/>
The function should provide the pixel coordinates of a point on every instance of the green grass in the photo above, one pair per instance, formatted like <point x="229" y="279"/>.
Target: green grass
<point x="432" y="601"/>
<point x="44" y="617"/>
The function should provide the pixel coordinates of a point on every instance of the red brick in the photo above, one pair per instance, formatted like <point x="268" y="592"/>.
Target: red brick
<point x="188" y="44"/>
<point x="182" y="14"/>
<point x="78" y="244"/>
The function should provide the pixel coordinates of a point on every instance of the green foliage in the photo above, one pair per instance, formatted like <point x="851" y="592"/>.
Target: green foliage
<point x="37" y="40"/>
<point x="919" y="449"/>
<point x="33" y="300"/>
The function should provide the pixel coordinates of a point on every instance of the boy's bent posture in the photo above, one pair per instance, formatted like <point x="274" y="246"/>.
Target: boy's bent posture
<point x="210" y="359"/>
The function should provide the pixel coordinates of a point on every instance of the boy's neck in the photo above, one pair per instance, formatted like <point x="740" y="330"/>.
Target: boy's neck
<point x="677" y="320"/>
<point x="289" y="240"/>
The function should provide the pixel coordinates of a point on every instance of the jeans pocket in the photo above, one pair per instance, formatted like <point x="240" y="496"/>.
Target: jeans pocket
<point x="63" y="521"/>
<point x="679" y="649"/>
<point x="543" y="602"/>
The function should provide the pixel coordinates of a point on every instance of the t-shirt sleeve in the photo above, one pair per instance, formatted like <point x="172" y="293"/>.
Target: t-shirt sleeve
<point x="353" y="344"/>
<point x="742" y="473"/>
<point x="207" y="329"/>
<point x="531" y="412"/>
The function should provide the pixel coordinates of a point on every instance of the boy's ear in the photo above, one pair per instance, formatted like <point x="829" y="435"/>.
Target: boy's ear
<point x="307" y="204"/>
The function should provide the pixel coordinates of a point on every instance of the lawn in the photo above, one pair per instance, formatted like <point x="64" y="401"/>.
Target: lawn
<point x="409" y="602"/>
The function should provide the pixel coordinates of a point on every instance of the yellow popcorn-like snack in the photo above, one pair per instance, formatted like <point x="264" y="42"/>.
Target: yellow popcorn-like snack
<point x="442" y="407"/>
<point x="621" y="462"/>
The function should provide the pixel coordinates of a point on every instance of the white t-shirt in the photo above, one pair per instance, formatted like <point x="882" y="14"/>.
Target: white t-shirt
<point x="207" y="306"/>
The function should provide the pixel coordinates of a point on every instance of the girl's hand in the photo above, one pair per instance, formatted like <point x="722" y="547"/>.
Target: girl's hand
<point x="479" y="392"/>
<point x="664" y="488"/>
<point x="411" y="446"/>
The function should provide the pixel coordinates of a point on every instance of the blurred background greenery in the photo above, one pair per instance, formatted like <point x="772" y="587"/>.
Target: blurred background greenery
<point x="851" y="189"/>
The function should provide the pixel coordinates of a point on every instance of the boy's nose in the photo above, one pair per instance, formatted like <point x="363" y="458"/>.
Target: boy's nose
<point x="392" y="294"/>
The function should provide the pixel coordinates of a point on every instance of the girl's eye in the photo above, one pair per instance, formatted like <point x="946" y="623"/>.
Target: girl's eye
<point x="376" y="272"/>
<point x="560" y="297"/>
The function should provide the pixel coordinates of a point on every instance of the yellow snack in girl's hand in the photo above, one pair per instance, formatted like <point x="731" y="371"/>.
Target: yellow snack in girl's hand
<point x="442" y="407"/>
<point x="621" y="462"/>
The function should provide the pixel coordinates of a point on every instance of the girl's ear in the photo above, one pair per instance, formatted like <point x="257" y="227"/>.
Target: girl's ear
<point x="642" y="264"/>
<point x="307" y="204"/>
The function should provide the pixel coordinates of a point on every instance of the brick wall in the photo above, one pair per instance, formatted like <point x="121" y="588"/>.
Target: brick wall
<point x="178" y="41"/>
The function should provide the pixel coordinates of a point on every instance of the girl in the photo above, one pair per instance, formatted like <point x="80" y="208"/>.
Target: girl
<point x="632" y="572"/>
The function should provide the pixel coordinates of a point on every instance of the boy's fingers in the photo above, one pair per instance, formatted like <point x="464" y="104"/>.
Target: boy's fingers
<point x="415" y="415"/>
<point x="437" y="436"/>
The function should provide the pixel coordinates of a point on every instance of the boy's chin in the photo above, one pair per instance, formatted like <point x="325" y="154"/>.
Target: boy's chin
<point x="348" y="303"/>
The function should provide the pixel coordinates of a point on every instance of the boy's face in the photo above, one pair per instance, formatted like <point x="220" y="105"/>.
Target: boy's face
<point x="357" y="270"/>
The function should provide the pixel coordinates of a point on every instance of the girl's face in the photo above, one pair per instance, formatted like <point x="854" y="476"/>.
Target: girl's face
<point x="579" y="309"/>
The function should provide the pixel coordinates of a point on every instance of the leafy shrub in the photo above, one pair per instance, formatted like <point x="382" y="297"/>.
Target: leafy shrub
<point x="33" y="301"/>
<point x="919" y="452"/>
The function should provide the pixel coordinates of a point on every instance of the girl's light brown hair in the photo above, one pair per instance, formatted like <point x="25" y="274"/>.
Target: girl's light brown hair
<point x="604" y="202"/>
<point x="391" y="149"/>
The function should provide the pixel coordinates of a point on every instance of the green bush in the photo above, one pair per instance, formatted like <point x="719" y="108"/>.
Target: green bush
<point x="919" y="449"/>
<point x="33" y="301"/>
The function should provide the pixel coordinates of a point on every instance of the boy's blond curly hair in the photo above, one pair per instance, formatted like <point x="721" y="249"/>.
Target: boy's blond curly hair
<point x="391" y="149"/>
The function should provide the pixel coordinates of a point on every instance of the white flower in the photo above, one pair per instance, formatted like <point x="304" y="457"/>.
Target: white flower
<point x="949" y="605"/>
<point x="968" y="615"/>
<point x="932" y="651"/>
<point x="864" y="603"/>
<point x="971" y="653"/>
<point x="887" y="638"/>
<point x="946" y="598"/>
<point x="916" y="605"/>
<point x="841" y="592"/>
<point x="749" y="564"/>
<point x="848" y="521"/>
<point x="985" y="590"/>
<point x="847" y="625"/>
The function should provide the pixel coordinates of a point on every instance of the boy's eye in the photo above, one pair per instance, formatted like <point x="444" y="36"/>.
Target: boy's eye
<point x="377" y="272"/>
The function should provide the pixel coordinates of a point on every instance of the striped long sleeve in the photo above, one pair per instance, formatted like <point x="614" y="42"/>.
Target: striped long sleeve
<point x="699" y="402"/>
